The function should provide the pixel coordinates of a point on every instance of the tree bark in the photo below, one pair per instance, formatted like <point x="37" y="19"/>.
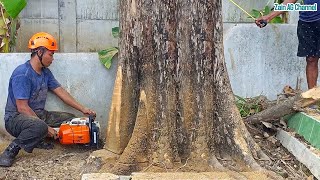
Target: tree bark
<point x="176" y="101"/>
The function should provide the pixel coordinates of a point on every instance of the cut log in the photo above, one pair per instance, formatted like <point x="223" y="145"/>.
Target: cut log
<point x="286" y="107"/>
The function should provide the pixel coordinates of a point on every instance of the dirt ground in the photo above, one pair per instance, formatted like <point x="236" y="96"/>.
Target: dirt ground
<point x="69" y="162"/>
<point x="282" y="161"/>
<point x="62" y="162"/>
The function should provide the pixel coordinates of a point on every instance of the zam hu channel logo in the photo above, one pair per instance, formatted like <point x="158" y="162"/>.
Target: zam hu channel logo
<point x="295" y="7"/>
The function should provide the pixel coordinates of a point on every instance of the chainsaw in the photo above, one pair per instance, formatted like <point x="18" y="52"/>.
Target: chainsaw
<point x="84" y="130"/>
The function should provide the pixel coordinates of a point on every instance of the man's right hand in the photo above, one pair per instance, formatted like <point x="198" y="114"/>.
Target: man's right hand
<point x="260" y="20"/>
<point x="52" y="133"/>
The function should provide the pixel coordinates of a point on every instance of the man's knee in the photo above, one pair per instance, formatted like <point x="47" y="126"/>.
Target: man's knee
<point x="41" y="127"/>
<point x="36" y="128"/>
<point x="312" y="60"/>
<point x="26" y="125"/>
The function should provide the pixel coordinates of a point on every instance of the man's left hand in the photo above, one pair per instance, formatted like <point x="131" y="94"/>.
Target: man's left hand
<point x="52" y="133"/>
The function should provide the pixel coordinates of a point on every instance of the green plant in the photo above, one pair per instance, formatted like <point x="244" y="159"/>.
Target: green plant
<point x="266" y="10"/>
<point x="9" y="24"/>
<point x="247" y="106"/>
<point x="106" y="55"/>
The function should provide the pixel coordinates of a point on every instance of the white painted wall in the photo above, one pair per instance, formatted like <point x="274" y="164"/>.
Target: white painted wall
<point x="262" y="61"/>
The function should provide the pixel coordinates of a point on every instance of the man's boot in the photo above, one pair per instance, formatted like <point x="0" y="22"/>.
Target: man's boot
<point x="7" y="157"/>
<point x="45" y="145"/>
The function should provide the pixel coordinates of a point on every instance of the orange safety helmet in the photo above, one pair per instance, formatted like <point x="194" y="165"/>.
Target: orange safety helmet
<point x="43" y="39"/>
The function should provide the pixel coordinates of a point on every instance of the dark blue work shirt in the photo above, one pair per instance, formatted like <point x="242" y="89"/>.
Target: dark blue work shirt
<point x="26" y="83"/>
<point x="310" y="16"/>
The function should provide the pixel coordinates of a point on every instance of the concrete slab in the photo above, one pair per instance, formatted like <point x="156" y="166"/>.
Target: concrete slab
<point x="95" y="176"/>
<point x="91" y="39"/>
<point x="125" y="177"/>
<point x="68" y="26"/>
<point x="227" y="175"/>
<point x="97" y="10"/>
<point x="311" y="159"/>
<point x="31" y="26"/>
<point x="42" y="9"/>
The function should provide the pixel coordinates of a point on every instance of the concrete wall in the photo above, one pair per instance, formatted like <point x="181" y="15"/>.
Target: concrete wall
<point x="232" y="14"/>
<point x="259" y="62"/>
<point x="85" y="25"/>
<point x="78" y="25"/>
<point x="262" y="61"/>
<point x="81" y="74"/>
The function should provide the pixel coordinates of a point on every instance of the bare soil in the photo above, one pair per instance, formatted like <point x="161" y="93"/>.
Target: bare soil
<point x="281" y="161"/>
<point x="62" y="162"/>
<point x="70" y="162"/>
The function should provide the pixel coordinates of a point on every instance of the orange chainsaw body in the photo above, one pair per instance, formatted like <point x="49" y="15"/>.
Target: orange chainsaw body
<point x="74" y="132"/>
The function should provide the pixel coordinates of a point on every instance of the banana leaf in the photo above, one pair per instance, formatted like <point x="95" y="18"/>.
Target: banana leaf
<point x="106" y="56"/>
<point x="13" y="7"/>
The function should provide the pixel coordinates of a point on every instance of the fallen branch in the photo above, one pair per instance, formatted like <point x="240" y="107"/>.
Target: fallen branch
<point x="290" y="105"/>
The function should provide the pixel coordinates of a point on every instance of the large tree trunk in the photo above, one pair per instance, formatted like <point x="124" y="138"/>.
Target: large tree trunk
<point x="173" y="98"/>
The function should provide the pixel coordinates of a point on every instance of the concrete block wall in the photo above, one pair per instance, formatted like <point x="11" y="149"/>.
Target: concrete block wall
<point x="78" y="25"/>
<point x="232" y="14"/>
<point x="85" y="25"/>
<point x="263" y="61"/>
<point x="259" y="62"/>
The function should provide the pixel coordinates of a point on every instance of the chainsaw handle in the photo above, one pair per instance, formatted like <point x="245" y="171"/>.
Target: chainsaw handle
<point x="92" y="117"/>
<point x="94" y="137"/>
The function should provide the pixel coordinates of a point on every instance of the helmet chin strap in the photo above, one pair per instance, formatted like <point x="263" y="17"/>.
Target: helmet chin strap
<point x="40" y="56"/>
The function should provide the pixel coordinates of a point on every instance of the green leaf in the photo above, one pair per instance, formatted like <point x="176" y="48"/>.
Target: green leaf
<point x="267" y="10"/>
<point x="106" y="56"/>
<point x="276" y="20"/>
<point x="240" y="98"/>
<point x="255" y="13"/>
<point x="4" y="45"/>
<point x="13" y="7"/>
<point x="2" y="23"/>
<point x="115" y="32"/>
<point x="2" y="31"/>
